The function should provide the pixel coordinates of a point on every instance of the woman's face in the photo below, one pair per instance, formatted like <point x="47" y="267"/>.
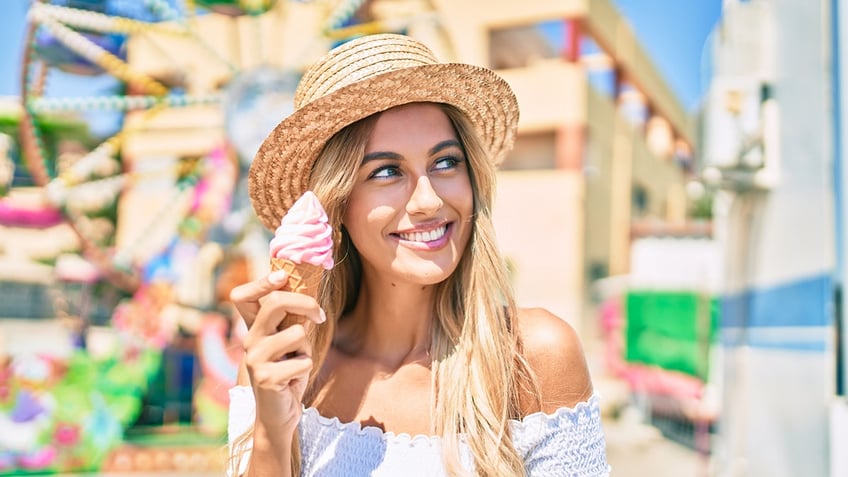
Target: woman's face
<point x="409" y="214"/>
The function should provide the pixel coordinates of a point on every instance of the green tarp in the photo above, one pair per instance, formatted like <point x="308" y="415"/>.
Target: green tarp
<point x="671" y="330"/>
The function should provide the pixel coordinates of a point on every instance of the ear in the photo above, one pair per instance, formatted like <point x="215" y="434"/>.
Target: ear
<point x="341" y="235"/>
<point x="345" y="247"/>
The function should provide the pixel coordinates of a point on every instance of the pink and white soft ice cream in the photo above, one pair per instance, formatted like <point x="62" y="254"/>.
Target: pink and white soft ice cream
<point x="304" y="234"/>
<point x="303" y="244"/>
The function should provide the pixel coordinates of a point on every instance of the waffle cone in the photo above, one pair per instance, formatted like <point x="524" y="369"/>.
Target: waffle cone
<point x="302" y="278"/>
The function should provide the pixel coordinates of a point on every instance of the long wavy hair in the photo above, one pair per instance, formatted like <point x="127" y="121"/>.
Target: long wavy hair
<point x="474" y="340"/>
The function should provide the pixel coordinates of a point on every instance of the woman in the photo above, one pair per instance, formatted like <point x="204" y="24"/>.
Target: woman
<point x="415" y="331"/>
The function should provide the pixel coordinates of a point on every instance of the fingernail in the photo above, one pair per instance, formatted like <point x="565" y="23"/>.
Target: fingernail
<point x="322" y="316"/>
<point x="278" y="277"/>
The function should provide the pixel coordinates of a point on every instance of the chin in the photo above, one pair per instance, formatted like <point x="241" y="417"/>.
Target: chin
<point x="426" y="276"/>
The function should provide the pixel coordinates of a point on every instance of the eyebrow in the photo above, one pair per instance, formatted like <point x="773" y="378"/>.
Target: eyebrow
<point x="395" y="156"/>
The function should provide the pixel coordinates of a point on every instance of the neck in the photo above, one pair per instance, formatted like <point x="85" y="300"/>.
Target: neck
<point x="391" y="322"/>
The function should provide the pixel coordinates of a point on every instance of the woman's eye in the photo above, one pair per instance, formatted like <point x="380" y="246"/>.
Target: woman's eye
<point x="384" y="172"/>
<point x="448" y="162"/>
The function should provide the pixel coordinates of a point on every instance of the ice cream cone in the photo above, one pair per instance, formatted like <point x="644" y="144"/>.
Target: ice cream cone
<point x="303" y="247"/>
<point x="302" y="278"/>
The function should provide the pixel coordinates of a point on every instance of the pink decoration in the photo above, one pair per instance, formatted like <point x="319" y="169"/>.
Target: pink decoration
<point x="66" y="434"/>
<point x="12" y="215"/>
<point x="38" y="459"/>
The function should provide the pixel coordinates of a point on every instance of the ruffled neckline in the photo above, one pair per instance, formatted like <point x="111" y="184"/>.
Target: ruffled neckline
<point x="531" y="420"/>
<point x="355" y="427"/>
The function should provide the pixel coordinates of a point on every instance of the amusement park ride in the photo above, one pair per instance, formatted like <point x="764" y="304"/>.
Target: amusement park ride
<point x="159" y="220"/>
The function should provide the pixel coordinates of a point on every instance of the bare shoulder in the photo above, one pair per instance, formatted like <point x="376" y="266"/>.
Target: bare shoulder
<point x="555" y="354"/>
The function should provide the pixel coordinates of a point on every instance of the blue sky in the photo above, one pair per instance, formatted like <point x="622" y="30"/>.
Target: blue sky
<point x="673" y="33"/>
<point x="12" y="24"/>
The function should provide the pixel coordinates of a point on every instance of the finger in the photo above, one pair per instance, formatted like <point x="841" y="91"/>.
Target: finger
<point x="277" y="305"/>
<point x="279" y="375"/>
<point x="289" y="342"/>
<point x="247" y="295"/>
<point x="243" y="378"/>
<point x="254" y="290"/>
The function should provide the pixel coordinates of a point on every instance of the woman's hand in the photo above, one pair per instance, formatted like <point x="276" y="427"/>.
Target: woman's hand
<point x="277" y="356"/>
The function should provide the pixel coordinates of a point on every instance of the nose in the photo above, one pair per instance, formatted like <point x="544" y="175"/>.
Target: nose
<point x="424" y="199"/>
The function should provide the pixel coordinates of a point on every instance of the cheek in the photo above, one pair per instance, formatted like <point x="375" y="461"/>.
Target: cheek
<point x="355" y="223"/>
<point x="464" y="201"/>
<point x="468" y="204"/>
<point x="460" y="196"/>
<point x="365" y="220"/>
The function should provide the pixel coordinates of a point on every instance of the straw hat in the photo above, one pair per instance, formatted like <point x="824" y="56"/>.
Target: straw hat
<point x="355" y="80"/>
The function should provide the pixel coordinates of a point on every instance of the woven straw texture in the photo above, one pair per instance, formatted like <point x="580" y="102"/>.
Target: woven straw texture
<point x="360" y="78"/>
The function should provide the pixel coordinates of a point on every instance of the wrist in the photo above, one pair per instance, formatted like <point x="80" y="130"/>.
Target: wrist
<point x="272" y="437"/>
<point x="278" y="421"/>
<point x="271" y="452"/>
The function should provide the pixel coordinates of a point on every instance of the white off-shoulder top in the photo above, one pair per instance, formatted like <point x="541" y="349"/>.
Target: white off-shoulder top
<point x="570" y="442"/>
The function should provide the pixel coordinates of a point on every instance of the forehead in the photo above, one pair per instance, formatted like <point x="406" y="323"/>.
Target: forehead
<point x="410" y="125"/>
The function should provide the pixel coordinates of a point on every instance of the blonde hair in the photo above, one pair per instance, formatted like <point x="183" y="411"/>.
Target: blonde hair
<point x="474" y="338"/>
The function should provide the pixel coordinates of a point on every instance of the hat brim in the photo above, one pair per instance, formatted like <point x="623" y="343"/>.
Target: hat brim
<point x="279" y="173"/>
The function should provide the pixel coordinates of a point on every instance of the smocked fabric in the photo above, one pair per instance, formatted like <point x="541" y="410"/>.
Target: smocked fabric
<point x="569" y="442"/>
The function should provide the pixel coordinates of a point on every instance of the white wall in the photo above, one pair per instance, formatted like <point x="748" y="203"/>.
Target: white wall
<point x="779" y="256"/>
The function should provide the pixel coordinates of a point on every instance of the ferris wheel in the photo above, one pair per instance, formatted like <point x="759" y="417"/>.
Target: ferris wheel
<point x="193" y="86"/>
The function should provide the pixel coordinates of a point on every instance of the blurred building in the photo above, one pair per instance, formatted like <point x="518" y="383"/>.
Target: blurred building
<point x="771" y="152"/>
<point x="604" y="147"/>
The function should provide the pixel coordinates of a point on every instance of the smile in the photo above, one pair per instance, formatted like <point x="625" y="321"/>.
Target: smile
<point x="426" y="240"/>
<point x="428" y="236"/>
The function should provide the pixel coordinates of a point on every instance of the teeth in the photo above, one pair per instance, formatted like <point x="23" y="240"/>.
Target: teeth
<point x="425" y="236"/>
